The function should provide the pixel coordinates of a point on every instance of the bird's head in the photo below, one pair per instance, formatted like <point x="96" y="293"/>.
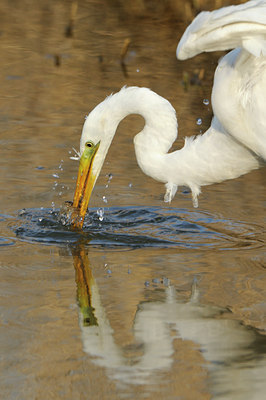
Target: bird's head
<point x="95" y="140"/>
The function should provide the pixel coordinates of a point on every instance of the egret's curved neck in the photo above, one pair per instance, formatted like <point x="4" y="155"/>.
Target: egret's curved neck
<point x="159" y="132"/>
<point x="160" y="118"/>
<point x="213" y="157"/>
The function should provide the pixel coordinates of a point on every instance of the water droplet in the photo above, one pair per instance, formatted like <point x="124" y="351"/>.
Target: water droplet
<point x="40" y="219"/>
<point x="206" y="102"/>
<point x="104" y="199"/>
<point x="137" y="70"/>
<point x="130" y="185"/>
<point x="109" y="271"/>
<point x="199" y="121"/>
<point x="55" y="175"/>
<point x="166" y="282"/>
<point x="100" y="213"/>
<point x="55" y="184"/>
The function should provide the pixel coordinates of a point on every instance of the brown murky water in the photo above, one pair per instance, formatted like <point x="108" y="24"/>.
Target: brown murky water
<point x="152" y="301"/>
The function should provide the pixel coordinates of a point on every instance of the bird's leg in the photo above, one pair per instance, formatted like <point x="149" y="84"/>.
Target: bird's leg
<point x="195" y="191"/>
<point x="171" y="189"/>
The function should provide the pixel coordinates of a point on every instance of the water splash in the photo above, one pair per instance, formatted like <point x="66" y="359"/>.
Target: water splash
<point x="61" y="165"/>
<point x="138" y="227"/>
<point x="100" y="213"/>
<point x="199" y="121"/>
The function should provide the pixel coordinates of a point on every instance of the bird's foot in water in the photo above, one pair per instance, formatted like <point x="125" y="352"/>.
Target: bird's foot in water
<point x="171" y="189"/>
<point x="195" y="200"/>
<point x="195" y="191"/>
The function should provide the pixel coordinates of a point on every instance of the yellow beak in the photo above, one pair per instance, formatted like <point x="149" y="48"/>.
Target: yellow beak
<point x="84" y="185"/>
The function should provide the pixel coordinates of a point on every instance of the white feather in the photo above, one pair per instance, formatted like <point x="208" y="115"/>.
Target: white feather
<point x="227" y="28"/>
<point x="235" y="143"/>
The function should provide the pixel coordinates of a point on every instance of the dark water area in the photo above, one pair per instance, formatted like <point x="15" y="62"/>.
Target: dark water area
<point x="136" y="227"/>
<point x="150" y="300"/>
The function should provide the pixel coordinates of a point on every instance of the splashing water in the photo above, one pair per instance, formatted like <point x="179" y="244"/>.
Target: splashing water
<point x="61" y="165"/>
<point x="199" y="121"/>
<point x="110" y="177"/>
<point x="135" y="227"/>
<point x="100" y="213"/>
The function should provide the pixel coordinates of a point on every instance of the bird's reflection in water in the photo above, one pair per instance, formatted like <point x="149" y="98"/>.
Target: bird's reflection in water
<point x="85" y="284"/>
<point x="233" y="353"/>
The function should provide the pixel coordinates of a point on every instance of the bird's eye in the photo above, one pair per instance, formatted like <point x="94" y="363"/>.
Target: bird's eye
<point x="89" y="144"/>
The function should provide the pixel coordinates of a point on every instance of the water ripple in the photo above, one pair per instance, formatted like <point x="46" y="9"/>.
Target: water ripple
<point x="138" y="227"/>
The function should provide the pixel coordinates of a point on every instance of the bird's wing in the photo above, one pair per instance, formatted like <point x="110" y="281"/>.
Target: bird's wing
<point x="227" y="28"/>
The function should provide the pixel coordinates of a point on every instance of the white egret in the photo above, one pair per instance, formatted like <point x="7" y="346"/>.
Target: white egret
<point x="234" y="144"/>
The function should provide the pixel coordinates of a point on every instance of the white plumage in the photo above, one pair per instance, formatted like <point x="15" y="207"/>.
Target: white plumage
<point x="227" y="28"/>
<point x="235" y="143"/>
<point x="239" y="89"/>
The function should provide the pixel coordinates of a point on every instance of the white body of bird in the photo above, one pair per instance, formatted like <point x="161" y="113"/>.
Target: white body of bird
<point x="239" y="89"/>
<point x="234" y="144"/>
